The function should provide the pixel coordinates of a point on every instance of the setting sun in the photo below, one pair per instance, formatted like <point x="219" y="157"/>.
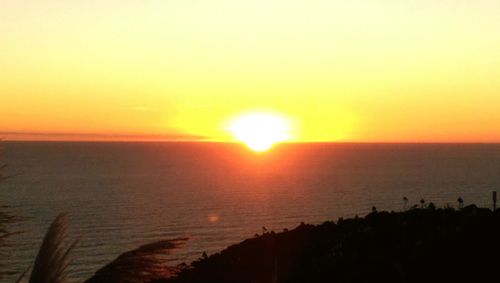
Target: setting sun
<point x="260" y="131"/>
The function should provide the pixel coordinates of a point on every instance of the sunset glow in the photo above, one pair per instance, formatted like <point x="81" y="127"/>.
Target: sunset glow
<point x="355" y="71"/>
<point x="173" y="128"/>
<point x="260" y="131"/>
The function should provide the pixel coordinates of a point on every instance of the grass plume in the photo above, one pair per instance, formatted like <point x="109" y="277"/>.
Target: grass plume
<point x="143" y="264"/>
<point x="52" y="259"/>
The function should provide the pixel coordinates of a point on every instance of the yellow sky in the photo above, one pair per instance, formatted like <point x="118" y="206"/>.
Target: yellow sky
<point x="353" y="70"/>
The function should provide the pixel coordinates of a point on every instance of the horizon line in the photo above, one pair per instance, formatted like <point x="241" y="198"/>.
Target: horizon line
<point x="16" y="136"/>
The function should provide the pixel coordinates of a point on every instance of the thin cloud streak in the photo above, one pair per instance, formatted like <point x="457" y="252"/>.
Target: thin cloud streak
<point x="51" y="136"/>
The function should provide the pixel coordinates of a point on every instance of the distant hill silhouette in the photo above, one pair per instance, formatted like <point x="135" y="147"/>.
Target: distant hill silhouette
<point x="419" y="245"/>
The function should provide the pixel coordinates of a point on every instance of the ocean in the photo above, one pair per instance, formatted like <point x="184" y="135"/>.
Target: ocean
<point x="121" y="195"/>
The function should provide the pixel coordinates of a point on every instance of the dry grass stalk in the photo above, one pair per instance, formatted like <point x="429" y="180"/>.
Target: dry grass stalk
<point x="52" y="259"/>
<point x="144" y="264"/>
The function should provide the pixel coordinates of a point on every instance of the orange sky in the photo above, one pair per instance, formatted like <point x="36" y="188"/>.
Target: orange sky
<point x="361" y="71"/>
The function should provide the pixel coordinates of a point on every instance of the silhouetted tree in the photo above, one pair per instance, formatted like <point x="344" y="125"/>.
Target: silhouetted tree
<point x="494" y="200"/>
<point x="460" y="203"/>
<point x="422" y="203"/>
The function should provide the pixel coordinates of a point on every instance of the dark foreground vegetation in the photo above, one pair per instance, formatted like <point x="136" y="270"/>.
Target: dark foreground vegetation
<point x="419" y="245"/>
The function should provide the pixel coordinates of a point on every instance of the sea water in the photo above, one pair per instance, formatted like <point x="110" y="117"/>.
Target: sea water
<point x="121" y="195"/>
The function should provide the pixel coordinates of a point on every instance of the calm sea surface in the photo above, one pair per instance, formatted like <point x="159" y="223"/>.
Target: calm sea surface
<point x="122" y="195"/>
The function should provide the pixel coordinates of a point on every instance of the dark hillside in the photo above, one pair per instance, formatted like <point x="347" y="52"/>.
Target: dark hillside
<point x="419" y="245"/>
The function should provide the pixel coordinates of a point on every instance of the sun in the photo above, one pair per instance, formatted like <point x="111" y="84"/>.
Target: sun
<point x="260" y="131"/>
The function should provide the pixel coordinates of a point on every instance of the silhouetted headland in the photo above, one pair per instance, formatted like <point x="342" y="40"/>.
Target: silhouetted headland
<point x="418" y="245"/>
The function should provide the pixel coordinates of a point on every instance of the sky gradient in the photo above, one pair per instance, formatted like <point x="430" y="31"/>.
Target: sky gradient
<point x="359" y="71"/>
